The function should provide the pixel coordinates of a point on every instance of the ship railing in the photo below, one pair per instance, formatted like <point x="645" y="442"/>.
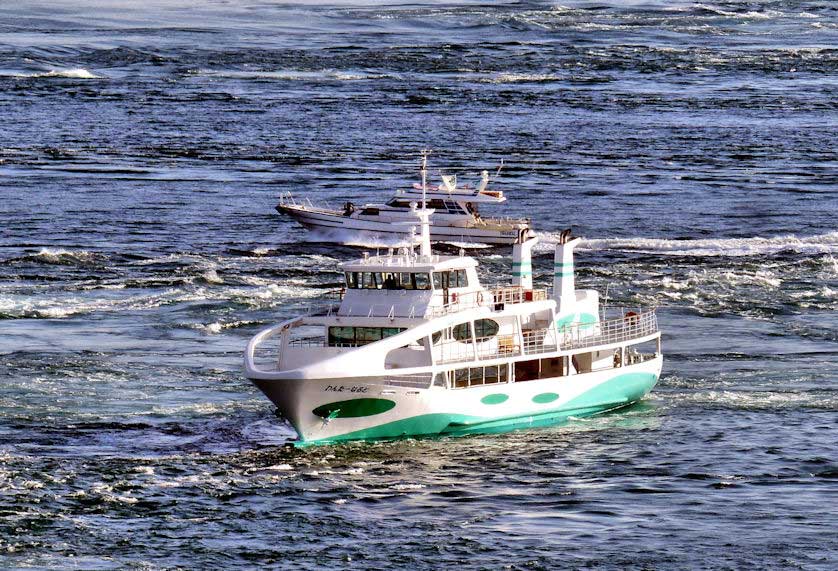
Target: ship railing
<point x="499" y="221"/>
<point x="288" y="199"/>
<point x="545" y="340"/>
<point x="632" y="325"/>
<point x="311" y="341"/>
<point x="540" y="341"/>
<point x="495" y="298"/>
<point x="416" y="380"/>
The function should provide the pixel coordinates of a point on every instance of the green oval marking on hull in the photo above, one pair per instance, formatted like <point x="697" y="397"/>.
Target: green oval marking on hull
<point x="544" y="398"/>
<point x="496" y="398"/>
<point x="353" y="408"/>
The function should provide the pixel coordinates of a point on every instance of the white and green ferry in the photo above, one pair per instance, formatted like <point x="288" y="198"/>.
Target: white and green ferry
<point x="418" y="347"/>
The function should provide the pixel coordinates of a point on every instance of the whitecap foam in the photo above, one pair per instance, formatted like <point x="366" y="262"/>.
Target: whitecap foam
<point x="293" y="75"/>
<point x="72" y="73"/>
<point x="212" y="277"/>
<point x="62" y="256"/>
<point x="730" y="247"/>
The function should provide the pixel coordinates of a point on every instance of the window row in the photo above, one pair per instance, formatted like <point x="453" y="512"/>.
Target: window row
<point x="449" y="206"/>
<point x="405" y="280"/>
<point x="356" y="336"/>
<point x="387" y="280"/>
<point x="449" y="279"/>
<point x="483" y="329"/>
<point x="476" y="376"/>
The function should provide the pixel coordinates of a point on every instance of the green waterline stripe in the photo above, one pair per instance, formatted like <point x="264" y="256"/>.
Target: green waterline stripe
<point x="521" y="264"/>
<point x="562" y="264"/>
<point x="563" y="274"/>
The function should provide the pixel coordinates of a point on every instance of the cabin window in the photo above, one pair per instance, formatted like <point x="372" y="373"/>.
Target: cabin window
<point x="341" y="336"/>
<point x="540" y="369"/>
<point x="387" y="280"/>
<point x="462" y="332"/>
<point x="449" y="279"/>
<point x="370" y="212"/>
<point x="356" y="336"/>
<point x="478" y="376"/>
<point x="453" y="207"/>
<point x="485" y="328"/>
<point x="461" y="378"/>
<point x="396" y="203"/>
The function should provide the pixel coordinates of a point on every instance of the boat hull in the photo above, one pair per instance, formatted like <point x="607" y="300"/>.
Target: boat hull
<point x="329" y="410"/>
<point x="399" y="230"/>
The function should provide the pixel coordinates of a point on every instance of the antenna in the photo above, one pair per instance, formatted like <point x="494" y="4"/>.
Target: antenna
<point x="425" y="153"/>
<point x="500" y="166"/>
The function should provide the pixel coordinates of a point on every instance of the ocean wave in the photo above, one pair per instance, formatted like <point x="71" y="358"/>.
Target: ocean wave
<point x="294" y="75"/>
<point x="726" y="247"/>
<point x="760" y="400"/>
<point x="61" y="257"/>
<point x="73" y="73"/>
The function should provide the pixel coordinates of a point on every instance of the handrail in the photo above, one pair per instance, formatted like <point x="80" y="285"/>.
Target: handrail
<point x="543" y="341"/>
<point x="488" y="298"/>
<point x="626" y="328"/>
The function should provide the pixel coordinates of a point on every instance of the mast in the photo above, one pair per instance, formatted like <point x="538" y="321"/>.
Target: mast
<point x="424" y="171"/>
<point x="423" y="213"/>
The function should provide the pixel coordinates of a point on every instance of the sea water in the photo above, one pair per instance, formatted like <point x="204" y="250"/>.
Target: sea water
<point x="143" y="147"/>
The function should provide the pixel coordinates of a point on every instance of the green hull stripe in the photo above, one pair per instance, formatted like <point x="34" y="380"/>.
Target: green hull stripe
<point x="620" y="391"/>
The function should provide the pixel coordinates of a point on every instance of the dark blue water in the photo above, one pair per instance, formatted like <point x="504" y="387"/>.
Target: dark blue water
<point x="143" y="147"/>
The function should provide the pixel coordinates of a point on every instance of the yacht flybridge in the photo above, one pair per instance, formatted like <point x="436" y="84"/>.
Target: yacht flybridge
<point x="418" y="346"/>
<point x="456" y="217"/>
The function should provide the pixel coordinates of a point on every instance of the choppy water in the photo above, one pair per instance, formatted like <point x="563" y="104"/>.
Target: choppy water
<point x="142" y="150"/>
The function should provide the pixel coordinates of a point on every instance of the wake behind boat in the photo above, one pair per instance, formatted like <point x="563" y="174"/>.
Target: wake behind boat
<point x="456" y="217"/>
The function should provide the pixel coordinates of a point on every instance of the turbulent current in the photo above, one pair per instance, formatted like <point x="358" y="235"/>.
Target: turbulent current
<point x="143" y="147"/>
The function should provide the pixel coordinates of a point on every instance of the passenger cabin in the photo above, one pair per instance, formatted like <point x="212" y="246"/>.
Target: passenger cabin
<point x="408" y="286"/>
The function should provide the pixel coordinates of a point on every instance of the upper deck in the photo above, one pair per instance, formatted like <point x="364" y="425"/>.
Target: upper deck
<point x="461" y="195"/>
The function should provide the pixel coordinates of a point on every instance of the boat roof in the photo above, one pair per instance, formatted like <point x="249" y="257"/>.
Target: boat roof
<point x="461" y="194"/>
<point x="408" y="263"/>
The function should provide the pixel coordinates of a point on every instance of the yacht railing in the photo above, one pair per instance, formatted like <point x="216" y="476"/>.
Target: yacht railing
<point x="499" y="221"/>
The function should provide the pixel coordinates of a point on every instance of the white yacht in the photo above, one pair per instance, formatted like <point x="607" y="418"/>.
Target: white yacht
<point x="456" y="217"/>
<point x="419" y="347"/>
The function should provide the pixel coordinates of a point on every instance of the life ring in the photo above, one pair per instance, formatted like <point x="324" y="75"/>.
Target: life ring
<point x="453" y="298"/>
